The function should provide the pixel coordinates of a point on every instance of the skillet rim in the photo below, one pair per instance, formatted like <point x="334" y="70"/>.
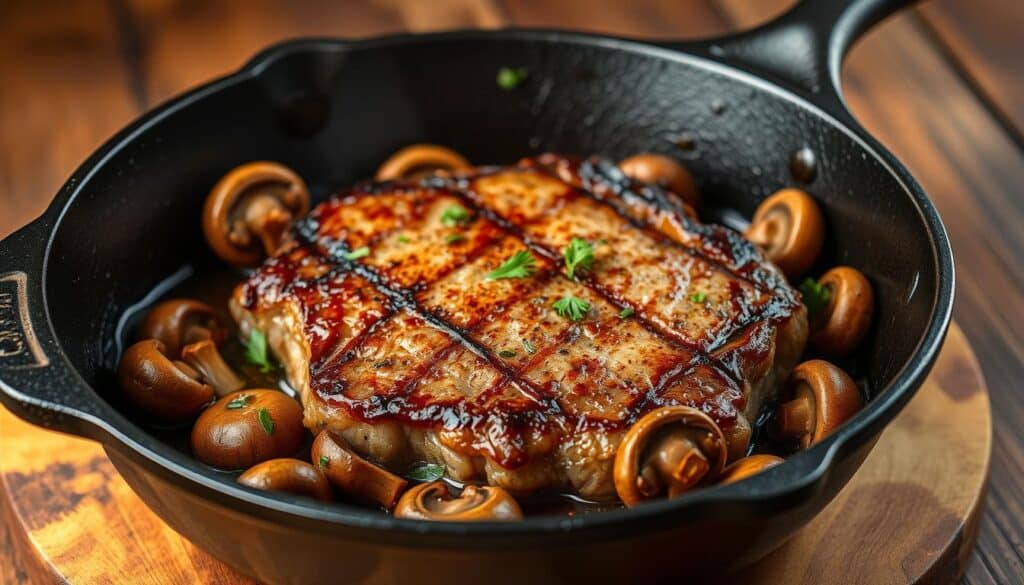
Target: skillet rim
<point x="733" y="501"/>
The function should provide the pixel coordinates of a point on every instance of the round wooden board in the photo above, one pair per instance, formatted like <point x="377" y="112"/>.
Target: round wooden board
<point x="908" y="516"/>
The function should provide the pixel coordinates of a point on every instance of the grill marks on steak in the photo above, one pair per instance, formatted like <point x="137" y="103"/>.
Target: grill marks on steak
<point x="414" y="333"/>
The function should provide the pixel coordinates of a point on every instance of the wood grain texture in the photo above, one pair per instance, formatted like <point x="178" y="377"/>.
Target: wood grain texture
<point x="76" y="71"/>
<point x="900" y="520"/>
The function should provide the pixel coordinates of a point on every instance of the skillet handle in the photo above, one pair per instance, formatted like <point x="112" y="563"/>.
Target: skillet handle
<point x="37" y="381"/>
<point x="805" y="46"/>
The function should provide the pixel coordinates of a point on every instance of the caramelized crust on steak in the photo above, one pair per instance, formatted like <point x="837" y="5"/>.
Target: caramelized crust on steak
<point x="412" y="353"/>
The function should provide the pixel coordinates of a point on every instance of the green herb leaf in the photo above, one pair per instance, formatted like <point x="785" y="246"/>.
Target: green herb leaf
<point x="358" y="253"/>
<point x="572" y="307"/>
<point x="579" y="253"/>
<point x="454" y="238"/>
<point x="404" y="239"/>
<point x="427" y="472"/>
<point x="626" y="313"/>
<point x="324" y="462"/>
<point x="815" y="296"/>
<point x="507" y="353"/>
<point x="520" y="265"/>
<point x="256" y="351"/>
<point x="455" y="215"/>
<point x="266" y="421"/>
<point x="529" y="347"/>
<point x="238" y="402"/>
<point x="698" y="297"/>
<point x="510" y="78"/>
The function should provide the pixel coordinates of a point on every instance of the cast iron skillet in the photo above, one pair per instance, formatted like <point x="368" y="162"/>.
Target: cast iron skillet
<point x="737" y="108"/>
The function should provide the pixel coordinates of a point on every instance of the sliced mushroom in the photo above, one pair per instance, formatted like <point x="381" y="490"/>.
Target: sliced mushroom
<point x="248" y="427"/>
<point x="353" y="475"/>
<point x="434" y="501"/>
<point x="667" y="452"/>
<point x="179" y="322"/>
<point x="165" y="389"/>
<point x="822" y="397"/>
<point x="421" y="160"/>
<point x="249" y="209"/>
<point x="842" y="324"/>
<point x="791" y="230"/>
<point x="288" y="475"/>
<point x="748" y="466"/>
<point x="204" y="357"/>
<point x="662" y="171"/>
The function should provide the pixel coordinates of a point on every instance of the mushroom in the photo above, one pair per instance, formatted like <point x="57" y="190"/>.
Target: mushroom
<point x="822" y="398"/>
<point x="434" y="501"/>
<point x="420" y="160"/>
<point x="668" y="451"/>
<point x="839" y="327"/>
<point x="664" y="172"/>
<point x="179" y="322"/>
<point x="249" y="209"/>
<point x="204" y="357"/>
<point x="790" y="228"/>
<point x="165" y="389"/>
<point x="248" y="427"/>
<point x="353" y="475"/>
<point x="747" y="466"/>
<point x="288" y="475"/>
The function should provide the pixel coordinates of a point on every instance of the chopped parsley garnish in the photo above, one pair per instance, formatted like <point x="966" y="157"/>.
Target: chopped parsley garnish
<point x="571" y="307"/>
<point x="427" y="472"/>
<point x="507" y="353"/>
<point x="699" y="297"/>
<point x="455" y="215"/>
<point x="454" y="238"/>
<point x="256" y="351"/>
<point x="357" y="253"/>
<point x="626" y="313"/>
<point x="529" y="347"/>
<point x="324" y="462"/>
<point x="511" y="77"/>
<point x="520" y="265"/>
<point x="239" y="402"/>
<point x="404" y="239"/>
<point x="578" y="254"/>
<point x="815" y="296"/>
<point x="266" y="421"/>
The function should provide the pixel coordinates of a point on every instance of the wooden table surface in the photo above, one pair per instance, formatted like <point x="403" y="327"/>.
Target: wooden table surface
<point x="941" y="85"/>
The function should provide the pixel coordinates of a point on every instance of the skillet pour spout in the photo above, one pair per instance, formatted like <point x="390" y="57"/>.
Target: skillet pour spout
<point x="332" y="110"/>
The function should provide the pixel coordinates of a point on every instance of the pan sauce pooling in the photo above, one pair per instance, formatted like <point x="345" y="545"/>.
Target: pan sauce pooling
<point x="555" y="324"/>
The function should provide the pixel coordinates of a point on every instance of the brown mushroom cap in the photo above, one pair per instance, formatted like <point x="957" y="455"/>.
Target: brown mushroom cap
<point x="248" y="427"/>
<point x="288" y="475"/>
<point x="162" y="388"/>
<point x="791" y="230"/>
<point x="206" y="359"/>
<point x="434" y="501"/>
<point x="840" y="327"/>
<point x="249" y="209"/>
<point x="353" y="475"/>
<point x="420" y="160"/>
<point x="822" y="398"/>
<point x="662" y="171"/>
<point x="179" y="322"/>
<point x="747" y="466"/>
<point x="668" y="451"/>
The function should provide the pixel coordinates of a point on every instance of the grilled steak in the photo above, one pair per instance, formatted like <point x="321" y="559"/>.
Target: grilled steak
<point x="412" y="353"/>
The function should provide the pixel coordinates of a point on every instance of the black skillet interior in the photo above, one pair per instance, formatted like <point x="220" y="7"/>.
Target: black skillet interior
<point x="333" y="110"/>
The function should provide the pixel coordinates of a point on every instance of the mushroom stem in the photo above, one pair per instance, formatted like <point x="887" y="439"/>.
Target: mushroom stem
<point x="676" y="458"/>
<point x="796" y="417"/>
<point x="263" y="216"/>
<point x="353" y="475"/>
<point x="768" y="232"/>
<point x="204" y="357"/>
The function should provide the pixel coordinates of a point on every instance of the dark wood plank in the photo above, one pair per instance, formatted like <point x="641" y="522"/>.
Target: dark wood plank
<point x="983" y="38"/>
